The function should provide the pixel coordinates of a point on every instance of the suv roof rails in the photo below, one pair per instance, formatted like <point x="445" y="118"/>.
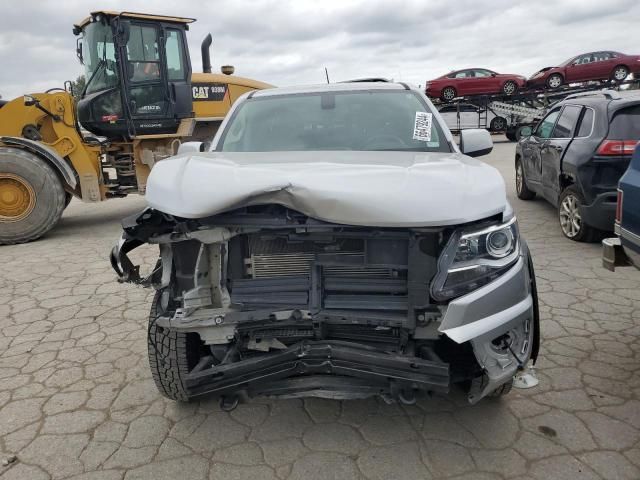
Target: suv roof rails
<point x="607" y="93"/>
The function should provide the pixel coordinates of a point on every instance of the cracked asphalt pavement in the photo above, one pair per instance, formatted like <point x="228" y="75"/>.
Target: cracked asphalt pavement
<point x="77" y="400"/>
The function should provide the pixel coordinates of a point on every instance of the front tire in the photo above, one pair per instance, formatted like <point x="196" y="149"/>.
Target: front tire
<point x="172" y="355"/>
<point x="522" y="190"/>
<point x="32" y="197"/>
<point x="554" y="81"/>
<point x="448" y="94"/>
<point x="571" y="223"/>
<point x="510" y="87"/>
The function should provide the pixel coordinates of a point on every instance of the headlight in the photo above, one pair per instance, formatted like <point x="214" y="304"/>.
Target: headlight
<point x="474" y="258"/>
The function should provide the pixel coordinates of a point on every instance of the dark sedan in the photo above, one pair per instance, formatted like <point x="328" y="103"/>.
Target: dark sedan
<point x="473" y="81"/>
<point x="593" y="66"/>
<point x="575" y="157"/>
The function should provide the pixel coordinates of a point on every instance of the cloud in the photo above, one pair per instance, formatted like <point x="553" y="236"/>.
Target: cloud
<point x="290" y="42"/>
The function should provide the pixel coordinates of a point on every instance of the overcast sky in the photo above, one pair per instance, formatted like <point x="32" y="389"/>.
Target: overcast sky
<point x="290" y="42"/>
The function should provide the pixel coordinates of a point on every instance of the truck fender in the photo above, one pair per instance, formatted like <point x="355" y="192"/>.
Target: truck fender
<point x="45" y="152"/>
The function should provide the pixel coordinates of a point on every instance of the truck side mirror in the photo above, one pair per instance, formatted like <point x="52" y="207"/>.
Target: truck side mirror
<point x="475" y="142"/>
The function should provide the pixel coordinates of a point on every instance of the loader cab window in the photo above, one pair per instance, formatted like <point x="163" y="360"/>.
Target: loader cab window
<point x="99" y="57"/>
<point x="143" y="54"/>
<point x="147" y="90"/>
<point x="174" y="47"/>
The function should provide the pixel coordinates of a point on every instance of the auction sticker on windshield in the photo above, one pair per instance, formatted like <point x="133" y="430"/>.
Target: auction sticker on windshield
<point x="422" y="127"/>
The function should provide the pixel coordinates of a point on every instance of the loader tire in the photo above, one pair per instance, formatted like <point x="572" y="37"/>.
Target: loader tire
<point x="32" y="197"/>
<point x="171" y="355"/>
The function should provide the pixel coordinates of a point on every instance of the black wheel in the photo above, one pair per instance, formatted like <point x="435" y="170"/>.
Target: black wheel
<point x="67" y="199"/>
<point x="511" y="135"/>
<point x="555" y="80"/>
<point x="620" y="73"/>
<point x="522" y="190"/>
<point x="502" y="390"/>
<point x="510" y="87"/>
<point x="31" y="196"/>
<point x="172" y="355"/>
<point x="448" y="94"/>
<point x="498" y="124"/>
<point x="571" y="223"/>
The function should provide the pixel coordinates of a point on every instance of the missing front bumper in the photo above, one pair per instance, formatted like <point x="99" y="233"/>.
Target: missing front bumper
<point x="293" y="370"/>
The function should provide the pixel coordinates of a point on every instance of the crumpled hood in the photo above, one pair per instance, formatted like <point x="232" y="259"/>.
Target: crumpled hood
<point x="381" y="189"/>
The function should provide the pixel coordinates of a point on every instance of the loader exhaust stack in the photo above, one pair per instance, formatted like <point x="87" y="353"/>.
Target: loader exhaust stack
<point x="206" y="57"/>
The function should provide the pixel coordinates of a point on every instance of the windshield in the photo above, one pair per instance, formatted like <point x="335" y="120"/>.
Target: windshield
<point x="363" y="120"/>
<point x="99" y="57"/>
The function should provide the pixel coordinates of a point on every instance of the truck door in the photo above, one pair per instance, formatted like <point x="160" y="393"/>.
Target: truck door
<point x="553" y="149"/>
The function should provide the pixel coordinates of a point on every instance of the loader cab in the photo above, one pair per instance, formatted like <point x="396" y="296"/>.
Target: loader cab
<point x="137" y="74"/>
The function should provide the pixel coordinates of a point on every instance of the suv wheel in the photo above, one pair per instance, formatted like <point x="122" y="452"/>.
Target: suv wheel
<point x="522" y="190"/>
<point x="510" y="87"/>
<point x="571" y="223"/>
<point x="555" y="80"/>
<point x="448" y="94"/>
<point x="620" y="73"/>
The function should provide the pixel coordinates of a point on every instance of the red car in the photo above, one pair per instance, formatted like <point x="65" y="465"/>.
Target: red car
<point x="605" y="65"/>
<point x="473" y="81"/>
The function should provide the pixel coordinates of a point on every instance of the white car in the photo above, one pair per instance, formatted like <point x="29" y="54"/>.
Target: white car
<point x="470" y="116"/>
<point x="334" y="242"/>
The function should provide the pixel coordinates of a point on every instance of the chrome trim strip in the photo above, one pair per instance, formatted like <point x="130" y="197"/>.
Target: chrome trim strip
<point x="628" y="235"/>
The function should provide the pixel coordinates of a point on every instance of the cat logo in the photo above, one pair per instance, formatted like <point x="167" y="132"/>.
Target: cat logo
<point x="209" y="92"/>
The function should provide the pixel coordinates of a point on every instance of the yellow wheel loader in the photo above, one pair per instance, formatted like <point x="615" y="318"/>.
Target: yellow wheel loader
<point x="140" y="101"/>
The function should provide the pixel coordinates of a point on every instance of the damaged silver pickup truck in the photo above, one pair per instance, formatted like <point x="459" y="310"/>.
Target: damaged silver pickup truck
<point x="334" y="242"/>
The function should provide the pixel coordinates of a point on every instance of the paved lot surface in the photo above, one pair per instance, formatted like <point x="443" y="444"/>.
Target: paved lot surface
<point x="77" y="400"/>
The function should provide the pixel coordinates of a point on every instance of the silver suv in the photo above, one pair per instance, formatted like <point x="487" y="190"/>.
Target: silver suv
<point x="333" y="242"/>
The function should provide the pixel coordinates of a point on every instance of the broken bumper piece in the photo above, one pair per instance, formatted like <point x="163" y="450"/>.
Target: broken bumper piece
<point x="328" y="368"/>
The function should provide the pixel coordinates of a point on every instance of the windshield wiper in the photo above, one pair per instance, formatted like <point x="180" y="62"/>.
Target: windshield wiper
<point x="101" y="64"/>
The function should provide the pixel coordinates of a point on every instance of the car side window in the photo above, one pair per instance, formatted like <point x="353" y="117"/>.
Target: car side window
<point x="586" y="124"/>
<point x="601" y="56"/>
<point x="545" y="127"/>
<point x="583" y="59"/>
<point x="482" y="73"/>
<point x="566" y="124"/>
<point x="464" y="74"/>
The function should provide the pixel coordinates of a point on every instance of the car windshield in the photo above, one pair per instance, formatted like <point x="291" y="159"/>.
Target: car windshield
<point x="361" y="120"/>
<point x="571" y="60"/>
